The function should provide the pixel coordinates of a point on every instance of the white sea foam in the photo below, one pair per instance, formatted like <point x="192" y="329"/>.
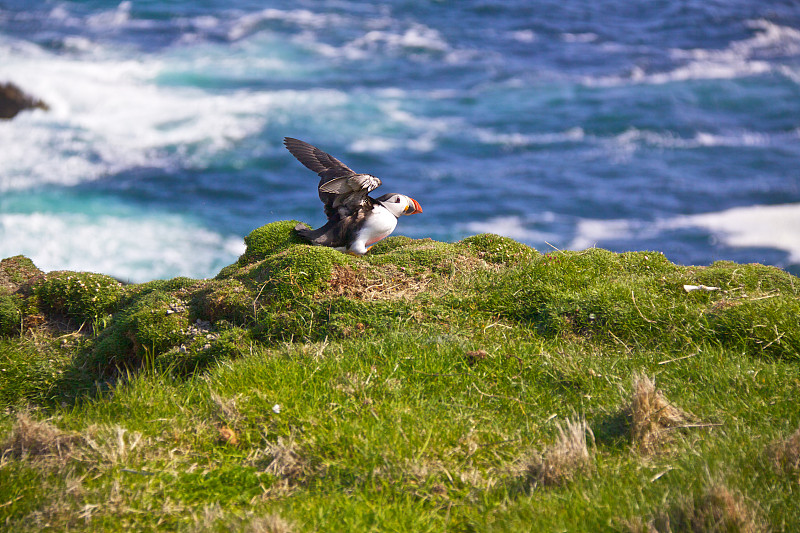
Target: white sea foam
<point x="488" y="136"/>
<point x="426" y="130"/>
<point x="136" y="248"/>
<point x="110" y="115"/>
<point x="591" y="232"/>
<point x="760" y="226"/>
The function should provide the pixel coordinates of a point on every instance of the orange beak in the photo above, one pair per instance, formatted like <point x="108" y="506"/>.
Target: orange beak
<point x="417" y="208"/>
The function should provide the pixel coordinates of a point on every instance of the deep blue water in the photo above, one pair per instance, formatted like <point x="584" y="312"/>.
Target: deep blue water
<point x="664" y="125"/>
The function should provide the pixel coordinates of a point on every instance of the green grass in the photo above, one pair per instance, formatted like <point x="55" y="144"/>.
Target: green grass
<point x="411" y="389"/>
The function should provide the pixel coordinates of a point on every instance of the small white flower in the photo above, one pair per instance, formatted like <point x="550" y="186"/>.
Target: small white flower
<point x="276" y="408"/>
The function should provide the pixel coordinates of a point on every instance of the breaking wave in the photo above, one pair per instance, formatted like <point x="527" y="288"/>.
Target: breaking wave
<point x="748" y="57"/>
<point x="136" y="248"/>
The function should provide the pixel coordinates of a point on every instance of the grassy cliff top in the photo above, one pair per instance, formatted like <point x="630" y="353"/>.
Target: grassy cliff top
<point x="477" y="385"/>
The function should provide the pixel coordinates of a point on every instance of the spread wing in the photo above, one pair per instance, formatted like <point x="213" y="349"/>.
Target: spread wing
<point x="314" y="159"/>
<point x="341" y="190"/>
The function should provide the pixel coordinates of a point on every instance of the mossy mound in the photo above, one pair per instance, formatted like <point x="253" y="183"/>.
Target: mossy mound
<point x="83" y="296"/>
<point x="15" y="272"/>
<point x="268" y="240"/>
<point x="426" y="379"/>
<point x="201" y="348"/>
<point x="151" y="325"/>
<point x="226" y="299"/>
<point x="299" y="272"/>
<point x="288" y="291"/>
<point x="496" y="249"/>
<point x="390" y="243"/>
<point x="639" y="299"/>
<point x="422" y="254"/>
<point x="329" y="318"/>
<point x="166" y="285"/>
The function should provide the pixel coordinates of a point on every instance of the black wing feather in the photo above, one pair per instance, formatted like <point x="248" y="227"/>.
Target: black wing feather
<point x="314" y="159"/>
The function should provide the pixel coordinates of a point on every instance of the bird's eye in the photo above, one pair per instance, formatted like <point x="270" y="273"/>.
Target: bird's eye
<point x="397" y="200"/>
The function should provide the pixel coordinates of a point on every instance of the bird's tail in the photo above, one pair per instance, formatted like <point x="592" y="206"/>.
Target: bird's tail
<point x="314" y="236"/>
<point x="304" y="231"/>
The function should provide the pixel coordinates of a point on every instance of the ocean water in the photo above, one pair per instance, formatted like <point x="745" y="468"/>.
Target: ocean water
<point x="664" y="125"/>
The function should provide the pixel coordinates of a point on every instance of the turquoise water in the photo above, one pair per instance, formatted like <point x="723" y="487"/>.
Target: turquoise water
<point x="672" y="126"/>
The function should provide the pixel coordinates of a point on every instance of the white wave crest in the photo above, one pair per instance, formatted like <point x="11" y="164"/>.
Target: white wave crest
<point x="137" y="249"/>
<point x="623" y="145"/>
<point x="523" y="36"/>
<point x="114" y="18"/>
<point x="251" y="22"/>
<point x="740" y="59"/>
<point x="417" y="39"/>
<point x="579" y="37"/>
<point x="758" y="226"/>
<point x="487" y="136"/>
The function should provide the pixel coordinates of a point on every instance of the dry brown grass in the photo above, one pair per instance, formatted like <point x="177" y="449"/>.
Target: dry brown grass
<point x="225" y="408"/>
<point x="784" y="454"/>
<point x="652" y="415"/>
<point x="272" y="523"/>
<point x="38" y="438"/>
<point x="227" y="416"/>
<point x="215" y="518"/>
<point x="112" y="445"/>
<point x="562" y="462"/>
<point x="717" y="510"/>
<point x="286" y="460"/>
<point x="385" y="282"/>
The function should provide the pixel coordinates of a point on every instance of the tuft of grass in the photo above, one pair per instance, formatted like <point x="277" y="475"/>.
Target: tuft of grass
<point x="652" y="415"/>
<point x="784" y="454"/>
<point x="38" y="438"/>
<point x="272" y="523"/>
<point x="567" y="458"/>
<point x="717" y="510"/>
<point x="213" y="518"/>
<point x="30" y="370"/>
<point x="285" y="459"/>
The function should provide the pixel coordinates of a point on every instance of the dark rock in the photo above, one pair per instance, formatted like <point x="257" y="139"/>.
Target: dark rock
<point x="13" y="100"/>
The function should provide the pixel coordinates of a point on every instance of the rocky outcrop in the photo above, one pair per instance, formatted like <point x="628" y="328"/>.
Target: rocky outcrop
<point x="13" y="100"/>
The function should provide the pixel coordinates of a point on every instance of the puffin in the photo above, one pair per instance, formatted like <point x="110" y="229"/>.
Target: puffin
<point x="356" y="221"/>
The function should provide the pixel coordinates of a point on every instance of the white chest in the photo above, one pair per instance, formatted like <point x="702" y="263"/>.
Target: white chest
<point x="380" y="224"/>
